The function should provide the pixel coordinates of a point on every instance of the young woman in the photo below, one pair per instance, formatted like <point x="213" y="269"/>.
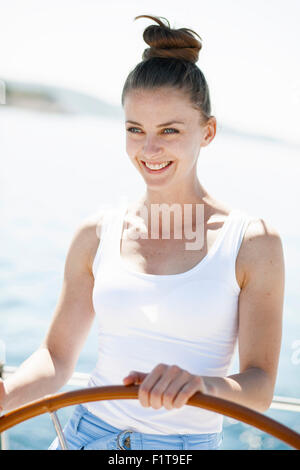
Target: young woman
<point x="169" y="316"/>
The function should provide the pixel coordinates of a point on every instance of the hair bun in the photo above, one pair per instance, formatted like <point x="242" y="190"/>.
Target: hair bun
<point x="170" y="43"/>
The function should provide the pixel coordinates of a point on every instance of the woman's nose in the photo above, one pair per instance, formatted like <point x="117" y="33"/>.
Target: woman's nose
<point x="151" y="146"/>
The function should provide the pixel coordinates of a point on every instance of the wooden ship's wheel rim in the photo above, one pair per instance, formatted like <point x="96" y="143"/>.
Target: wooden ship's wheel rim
<point x="52" y="403"/>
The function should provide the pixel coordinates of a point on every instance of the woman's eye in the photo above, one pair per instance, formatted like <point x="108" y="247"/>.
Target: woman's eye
<point x="130" y="129"/>
<point x="170" y="129"/>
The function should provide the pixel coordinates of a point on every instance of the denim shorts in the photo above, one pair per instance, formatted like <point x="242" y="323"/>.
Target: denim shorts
<point x="85" y="431"/>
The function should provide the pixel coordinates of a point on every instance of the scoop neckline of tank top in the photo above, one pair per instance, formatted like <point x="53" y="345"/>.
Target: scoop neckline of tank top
<point x="199" y="265"/>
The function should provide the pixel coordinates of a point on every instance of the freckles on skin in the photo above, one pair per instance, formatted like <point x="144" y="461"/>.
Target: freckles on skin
<point x="151" y="108"/>
<point x="182" y="148"/>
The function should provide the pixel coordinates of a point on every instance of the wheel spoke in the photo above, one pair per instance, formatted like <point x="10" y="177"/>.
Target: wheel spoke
<point x="58" y="429"/>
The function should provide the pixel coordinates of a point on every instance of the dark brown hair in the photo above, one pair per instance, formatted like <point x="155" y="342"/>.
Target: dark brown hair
<point x="171" y="61"/>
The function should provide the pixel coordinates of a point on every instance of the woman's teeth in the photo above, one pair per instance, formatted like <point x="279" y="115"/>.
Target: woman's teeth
<point x="156" y="167"/>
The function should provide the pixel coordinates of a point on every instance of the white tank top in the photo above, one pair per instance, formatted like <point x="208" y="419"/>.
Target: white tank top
<point x="188" y="319"/>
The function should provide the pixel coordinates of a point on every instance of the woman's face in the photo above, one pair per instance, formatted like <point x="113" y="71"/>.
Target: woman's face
<point x="162" y="126"/>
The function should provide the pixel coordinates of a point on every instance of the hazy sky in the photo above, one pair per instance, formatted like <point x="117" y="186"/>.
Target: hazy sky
<point x="250" y="53"/>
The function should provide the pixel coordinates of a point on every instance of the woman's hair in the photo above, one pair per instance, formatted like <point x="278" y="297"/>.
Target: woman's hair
<point x="171" y="61"/>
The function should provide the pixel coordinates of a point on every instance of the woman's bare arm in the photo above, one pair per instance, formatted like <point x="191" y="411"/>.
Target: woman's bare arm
<point x="260" y="321"/>
<point x="52" y="364"/>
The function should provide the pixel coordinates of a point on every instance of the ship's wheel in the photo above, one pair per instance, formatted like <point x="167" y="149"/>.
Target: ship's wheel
<point x="52" y="403"/>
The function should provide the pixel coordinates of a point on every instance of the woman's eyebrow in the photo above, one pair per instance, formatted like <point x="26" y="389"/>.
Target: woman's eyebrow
<point x="159" y="125"/>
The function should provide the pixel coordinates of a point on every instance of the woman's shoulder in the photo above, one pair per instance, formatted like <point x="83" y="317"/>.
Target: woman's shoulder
<point x="261" y="247"/>
<point x="260" y="231"/>
<point x="87" y="236"/>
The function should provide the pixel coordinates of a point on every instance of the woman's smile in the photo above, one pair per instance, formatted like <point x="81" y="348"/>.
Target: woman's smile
<point x="158" y="168"/>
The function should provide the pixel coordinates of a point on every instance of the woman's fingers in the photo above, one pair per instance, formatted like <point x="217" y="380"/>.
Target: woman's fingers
<point x="163" y="387"/>
<point x="168" y="386"/>
<point x="193" y="385"/>
<point x="150" y="390"/>
<point x="134" y="377"/>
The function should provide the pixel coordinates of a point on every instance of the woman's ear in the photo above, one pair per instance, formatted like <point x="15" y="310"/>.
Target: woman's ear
<point x="209" y="131"/>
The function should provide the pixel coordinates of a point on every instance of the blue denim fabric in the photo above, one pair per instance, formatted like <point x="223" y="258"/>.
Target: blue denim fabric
<point x="85" y="431"/>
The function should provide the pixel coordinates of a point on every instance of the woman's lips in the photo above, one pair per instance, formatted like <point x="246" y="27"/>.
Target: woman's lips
<point x="161" y="170"/>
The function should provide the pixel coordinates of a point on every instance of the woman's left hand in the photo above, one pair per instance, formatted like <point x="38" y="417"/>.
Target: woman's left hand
<point x="168" y="386"/>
